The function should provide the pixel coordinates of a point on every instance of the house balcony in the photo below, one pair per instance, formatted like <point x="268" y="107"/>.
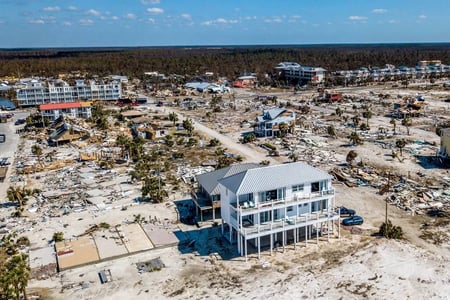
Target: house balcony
<point x="250" y="207"/>
<point x="280" y="225"/>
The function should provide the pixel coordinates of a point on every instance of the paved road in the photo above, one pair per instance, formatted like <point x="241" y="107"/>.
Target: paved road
<point x="9" y="147"/>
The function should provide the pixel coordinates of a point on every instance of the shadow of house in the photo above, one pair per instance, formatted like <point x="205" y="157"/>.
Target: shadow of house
<point x="66" y="133"/>
<point x="207" y="196"/>
<point x="209" y="242"/>
<point x="432" y="162"/>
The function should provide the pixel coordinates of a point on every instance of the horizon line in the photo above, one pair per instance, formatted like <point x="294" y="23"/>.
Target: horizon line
<point x="231" y="45"/>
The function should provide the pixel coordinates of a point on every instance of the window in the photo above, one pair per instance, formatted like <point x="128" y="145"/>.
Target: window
<point x="314" y="206"/>
<point x="290" y="208"/>
<point x="315" y="187"/>
<point x="297" y="188"/>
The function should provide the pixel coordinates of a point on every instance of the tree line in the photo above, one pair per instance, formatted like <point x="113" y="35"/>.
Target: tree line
<point x="223" y="61"/>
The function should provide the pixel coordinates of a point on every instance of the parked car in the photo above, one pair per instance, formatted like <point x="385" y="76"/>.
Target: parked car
<point x="346" y="211"/>
<point x="353" y="220"/>
<point x="20" y="122"/>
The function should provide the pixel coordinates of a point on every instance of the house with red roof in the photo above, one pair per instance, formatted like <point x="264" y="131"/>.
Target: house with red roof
<point x="53" y="111"/>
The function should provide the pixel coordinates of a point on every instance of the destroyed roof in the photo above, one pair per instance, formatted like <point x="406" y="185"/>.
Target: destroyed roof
<point x="140" y="120"/>
<point x="273" y="177"/>
<point x="210" y="181"/>
<point x="132" y="113"/>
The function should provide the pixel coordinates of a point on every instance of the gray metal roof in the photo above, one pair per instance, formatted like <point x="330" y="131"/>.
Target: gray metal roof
<point x="273" y="177"/>
<point x="274" y="112"/>
<point x="210" y="181"/>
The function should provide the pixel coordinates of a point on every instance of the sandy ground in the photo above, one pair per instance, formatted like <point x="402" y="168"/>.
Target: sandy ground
<point x="357" y="266"/>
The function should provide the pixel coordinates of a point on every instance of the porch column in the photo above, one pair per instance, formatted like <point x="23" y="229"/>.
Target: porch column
<point x="245" y="248"/>
<point x="306" y="234"/>
<point x="259" y="247"/>
<point x="231" y="234"/>
<point x="283" y="234"/>
<point x="239" y="243"/>
<point x="221" y="226"/>
<point x="339" y="230"/>
<point x="328" y="229"/>
<point x="295" y="238"/>
<point x="271" y="242"/>
<point x="317" y="235"/>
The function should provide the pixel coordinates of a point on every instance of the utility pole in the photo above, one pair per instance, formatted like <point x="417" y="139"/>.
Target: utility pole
<point x="388" y="189"/>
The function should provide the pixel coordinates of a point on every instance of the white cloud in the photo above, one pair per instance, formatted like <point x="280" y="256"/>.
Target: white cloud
<point x="219" y="21"/>
<point x="93" y="12"/>
<point x="37" y="21"/>
<point x="186" y="17"/>
<point x="51" y="8"/>
<point x="155" y="10"/>
<point x="147" y="2"/>
<point x="393" y="22"/>
<point x="67" y="23"/>
<point x="273" y="20"/>
<point x="86" y="22"/>
<point x="422" y="17"/>
<point x="130" y="16"/>
<point x="151" y="21"/>
<point x="72" y="8"/>
<point x="357" y="18"/>
<point x="115" y="18"/>
<point x="379" y="10"/>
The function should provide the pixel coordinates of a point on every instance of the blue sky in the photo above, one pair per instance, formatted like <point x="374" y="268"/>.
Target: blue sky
<point x="83" y="23"/>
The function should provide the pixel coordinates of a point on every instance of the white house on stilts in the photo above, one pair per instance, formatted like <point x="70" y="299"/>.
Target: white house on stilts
<point x="271" y="206"/>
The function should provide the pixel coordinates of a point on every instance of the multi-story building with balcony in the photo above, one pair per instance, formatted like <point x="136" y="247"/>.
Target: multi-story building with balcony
<point x="53" y="111"/>
<point x="36" y="92"/>
<point x="272" y="206"/>
<point x="269" y="124"/>
<point x="302" y="74"/>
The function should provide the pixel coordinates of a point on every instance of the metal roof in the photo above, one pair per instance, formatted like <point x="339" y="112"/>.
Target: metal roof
<point x="210" y="181"/>
<point x="273" y="177"/>
<point x="62" y="105"/>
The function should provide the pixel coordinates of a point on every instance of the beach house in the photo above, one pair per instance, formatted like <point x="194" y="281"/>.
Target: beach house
<point x="269" y="124"/>
<point x="271" y="206"/>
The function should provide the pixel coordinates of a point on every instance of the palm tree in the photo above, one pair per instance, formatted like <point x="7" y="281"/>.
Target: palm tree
<point x="208" y="116"/>
<point x="407" y="122"/>
<point x="187" y="124"/>
<point x="151" y="186"/>
<point x="339" y="112"/>
<point x="367" y="114"/>
<point x="400" y="144"/>
<point x="356" y="119"/>
<point x="37" y="150"/>
<point x="354" y="138"/>
<point x="393" y="123"/>
<point x="331" y="131"/>
<point x="15" y="280"/>
<point x="173" y="117"/>
<point x="123" y="142"/>
<point x="17" y="194"/>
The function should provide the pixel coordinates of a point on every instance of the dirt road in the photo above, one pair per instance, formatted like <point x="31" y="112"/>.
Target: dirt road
<point x="249" y="154"/>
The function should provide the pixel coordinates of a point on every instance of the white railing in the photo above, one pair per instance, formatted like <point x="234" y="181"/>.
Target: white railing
<point x="249" y="206"/>
<point x="290" y="223"/>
